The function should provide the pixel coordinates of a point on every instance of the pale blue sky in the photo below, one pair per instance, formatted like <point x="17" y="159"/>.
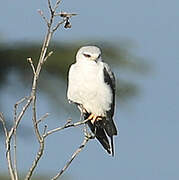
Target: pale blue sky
<point x="148" y="145"/>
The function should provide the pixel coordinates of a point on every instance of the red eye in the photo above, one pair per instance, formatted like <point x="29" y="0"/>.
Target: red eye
<point x="87" y="55"/>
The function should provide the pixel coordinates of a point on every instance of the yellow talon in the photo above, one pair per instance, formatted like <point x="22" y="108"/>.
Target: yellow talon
<point x="94" y="118"/>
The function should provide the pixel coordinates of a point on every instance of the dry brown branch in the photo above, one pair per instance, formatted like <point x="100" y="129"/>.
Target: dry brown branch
<point x="85" y="141"/>
<point x="37" y="158"/>
<point x="57" y="5"/>
<point x="67" y="125"/>
<point x="17" y="103"/>
<point x="58" y="24"/>
<point x="43" y="57"/>
<point x="19" y="117"/>
<point x="50" y="6"/>
<point x="3" y="124"/>
<point x="42" y="118"/>
<point x="15" y="156"/>
<point x="43" y="16"/>
<point x="15" y="139"/>
<point x="8" y="152"/>
<point x="32" y="99"/>
<point x="48" y="55"/>
<point x="12" y="133"/>
<point x="15" y="128"/>
<point x="32" y="65"/>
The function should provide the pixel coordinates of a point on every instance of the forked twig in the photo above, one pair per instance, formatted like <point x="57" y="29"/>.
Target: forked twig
<point x="58" y="24"/>
<point x="50" y="7"/>
<point x="32" y="65"/>
<point x="42" y="118"/>
<point x="8" y="153"/>
<point x="11" y="134"/>
<point x="48" y="55"/>
<point x="43" y="57"/>
<point x="43" y="16"/>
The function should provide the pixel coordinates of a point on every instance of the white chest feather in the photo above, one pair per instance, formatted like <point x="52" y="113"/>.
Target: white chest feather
<point x="86" y="86"/>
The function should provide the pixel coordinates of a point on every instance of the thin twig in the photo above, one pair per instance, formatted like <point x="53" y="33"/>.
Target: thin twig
<point x="50" y="7"/>
<point x="15" y="138"/>
<point x="45" y="129"/>
<point x="57" y="5"/>
<point x="64" y="127"/>
<point x="8" y="145"/>
<point x="32" y="65"/>
<point x="48" y="55"/>
<point x="3" y="124"/>
<point x="32" y="100"/>
<point x="85" y="141"/>
<point x="15" y="156"/>
<point x="20" y="101"/>
<point x="34" y="85"/>
<point x="9" y="136"/>
<point x="37" y="158"/>
<point x="43" y="57"/>
<point x="9" y="159"/>
<point x="44" y="18"/>
<point x="19" y="117"/>
<point x="42" y="118"/>
<point x="58" y="24"/>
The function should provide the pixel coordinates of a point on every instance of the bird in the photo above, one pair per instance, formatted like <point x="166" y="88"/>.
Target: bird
<point x="91" y="86"/>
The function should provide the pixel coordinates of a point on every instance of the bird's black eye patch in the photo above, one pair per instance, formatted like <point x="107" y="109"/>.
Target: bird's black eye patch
<point x="87" y="55"/>
<point x="99" y="56"/>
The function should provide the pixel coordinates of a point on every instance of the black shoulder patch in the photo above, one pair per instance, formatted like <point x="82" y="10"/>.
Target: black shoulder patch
<point x="110" y="81"/>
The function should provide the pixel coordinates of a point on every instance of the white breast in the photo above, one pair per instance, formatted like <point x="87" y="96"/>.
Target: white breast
<point x="86" y="86"/>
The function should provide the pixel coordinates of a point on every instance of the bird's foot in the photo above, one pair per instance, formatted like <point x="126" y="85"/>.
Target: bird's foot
<point x="93" y="118"/>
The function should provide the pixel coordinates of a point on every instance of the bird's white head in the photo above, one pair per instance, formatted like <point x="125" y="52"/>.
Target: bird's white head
<point x="88" y="53"/>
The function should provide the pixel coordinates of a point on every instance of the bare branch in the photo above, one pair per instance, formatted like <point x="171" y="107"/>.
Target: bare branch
<point x="15" y="156"/>
<point x="34" y="118"/>
<point x="66" y="16"/>
<point x="57" y="5"/>
<point x="9" y="160"/>
<point x="32" y="65"/>
<point x="50" y="7"/>
<point x="11" y="132"/>
<point x="3" y="124"/>
<point x="13" y="170"/>
<point x="67" y="125"/>
<point x="43" y="57"/>
<point x="15" y="139"/>
<point x="45" y="129"/>
<point x="8" y="152"/>
<point x="43" y="16"/>
<point x="19" y="102"/>
<point x="42" y="118"/>
<point x="32" y="99"/>
<point x="35" y="162"/>
<point x="48" y="55"/>
<point x="15" y="128"/>
<point x="85" y="141"/>
<point x="58" y="24"/>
